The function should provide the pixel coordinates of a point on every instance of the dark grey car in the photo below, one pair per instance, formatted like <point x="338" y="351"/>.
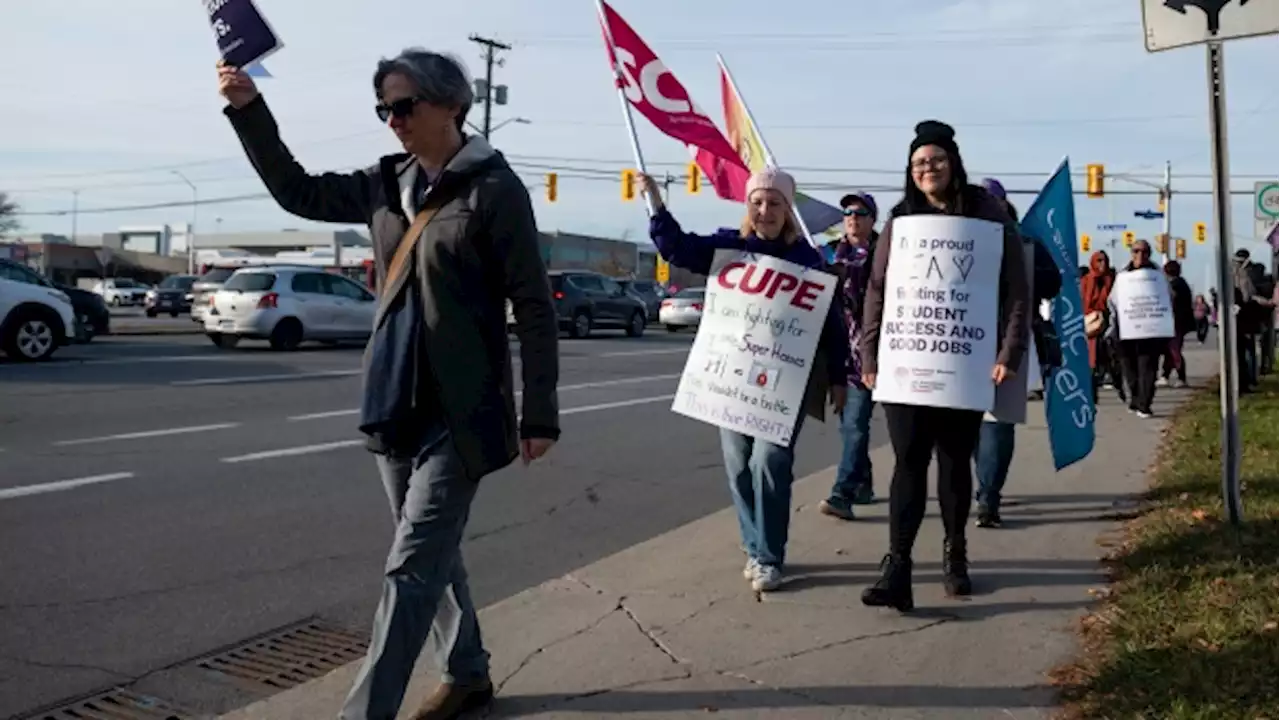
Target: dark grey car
<point x="650" y="292"/>
<point x="173" y="296"/>
<point x="586" y="301"/>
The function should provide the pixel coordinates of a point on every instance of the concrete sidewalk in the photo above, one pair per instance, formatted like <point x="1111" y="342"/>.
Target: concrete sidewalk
<point x="669" y="628"/>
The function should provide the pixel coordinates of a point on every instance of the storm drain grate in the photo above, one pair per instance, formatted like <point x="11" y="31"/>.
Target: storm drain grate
<point x="114" y="705"/>
<point x="289" y="657"/>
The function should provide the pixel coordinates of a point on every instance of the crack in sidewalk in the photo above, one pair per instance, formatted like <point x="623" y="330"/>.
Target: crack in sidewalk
<point x="846" y="641"/>
<point x="69" y="666"/>
<point x="524" y="662"/>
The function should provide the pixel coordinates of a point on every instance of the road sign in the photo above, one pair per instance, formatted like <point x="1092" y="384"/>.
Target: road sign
<point x="1148" y="214"/>
<point x="1112" y="227"/>
<point x="663" y="272"/>
<point x="1266" y="200"/>
<point x="103" y="255"/>
<point x="1169" y="24"/>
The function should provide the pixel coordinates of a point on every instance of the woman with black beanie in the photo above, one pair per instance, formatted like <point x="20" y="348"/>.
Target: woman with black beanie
<point x="936" y="184"/>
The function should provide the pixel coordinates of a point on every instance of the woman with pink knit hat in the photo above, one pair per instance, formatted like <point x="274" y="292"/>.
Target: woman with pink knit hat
<point x="760" y="473"/>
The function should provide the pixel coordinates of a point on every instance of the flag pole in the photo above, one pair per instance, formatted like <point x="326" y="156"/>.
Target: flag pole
<point x="768" y="154"/>
<point x="618" y="82"/>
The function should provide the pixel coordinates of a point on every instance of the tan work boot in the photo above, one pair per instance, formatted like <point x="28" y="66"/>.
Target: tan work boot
<point x="451" y="701"/>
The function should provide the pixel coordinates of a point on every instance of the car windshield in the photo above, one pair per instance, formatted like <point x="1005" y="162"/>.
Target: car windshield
<point x="250" y="282"/>
<point x="216" y="275"/>
<point x="692" y="294"/>
<point x="126" y="283"/>
<point x="177" y="282"/>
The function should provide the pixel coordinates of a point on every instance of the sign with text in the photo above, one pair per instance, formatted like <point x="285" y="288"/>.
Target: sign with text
<point x="750" y="363"/>
<point x="242" y="32"/>
<point x="1144" y="304"/>
<point x="1169" y="24"/>
<point x="1266" y="208"/>
<point x="941" y="310"/>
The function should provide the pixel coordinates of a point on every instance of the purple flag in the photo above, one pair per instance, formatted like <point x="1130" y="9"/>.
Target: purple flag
<point x="243" y="35"/>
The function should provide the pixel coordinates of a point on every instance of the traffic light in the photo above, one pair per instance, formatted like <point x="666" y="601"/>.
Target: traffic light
<point x="1127" y="238"/>
<point x="551" y="187"/>
<point x="1181" y="245"/>
<point x="1162" y="243"/>
<point x="1201" y="233"/>
<point x="1084" y="243"/>
<point x="1162" y="202"/>
<point x="628" y="184"/>
<point x="695" y="178"/>
<point x="1095" y="177"/>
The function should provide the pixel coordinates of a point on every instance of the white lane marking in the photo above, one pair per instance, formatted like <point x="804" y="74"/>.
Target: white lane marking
<point x="237" y="379"/>
<point x="579" y="386"/>
<point x="60" y="485"/>
<point x="618" y="404"/>
<point x="630" y="353"/>
<point x="340" y="444"/>
<point x="148" y="434"/>
<point x="293" y="451"/>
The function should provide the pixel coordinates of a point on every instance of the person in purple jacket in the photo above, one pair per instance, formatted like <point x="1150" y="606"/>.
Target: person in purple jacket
<point x="760" y="472"/>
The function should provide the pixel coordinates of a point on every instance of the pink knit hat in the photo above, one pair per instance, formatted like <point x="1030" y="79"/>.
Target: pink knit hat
<point x="772" y="178"/>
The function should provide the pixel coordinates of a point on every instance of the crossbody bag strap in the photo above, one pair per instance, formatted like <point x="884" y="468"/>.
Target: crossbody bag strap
<point x="405" y="249"/>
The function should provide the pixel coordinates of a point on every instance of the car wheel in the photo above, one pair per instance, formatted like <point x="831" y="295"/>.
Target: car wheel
<point x="151" y="313"/>
<point x="115" y="301"/>
<point x="636" y="327"/>
<point x="287" y="335"/>
<point x="31" y="336"/>
<point x="581" y="325"/>
<point x="173" y="313"/>
<point x="226" y="342"/>
<point x="673" y="328"/>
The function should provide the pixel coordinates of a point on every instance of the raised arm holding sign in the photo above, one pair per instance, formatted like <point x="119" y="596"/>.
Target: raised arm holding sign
<point x="242" y="32"/>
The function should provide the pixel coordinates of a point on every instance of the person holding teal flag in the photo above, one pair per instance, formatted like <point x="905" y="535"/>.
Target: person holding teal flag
<point x="1068" y="399"/>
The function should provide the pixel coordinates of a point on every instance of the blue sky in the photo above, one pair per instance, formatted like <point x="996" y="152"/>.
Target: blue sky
<point x="128" y="85"/>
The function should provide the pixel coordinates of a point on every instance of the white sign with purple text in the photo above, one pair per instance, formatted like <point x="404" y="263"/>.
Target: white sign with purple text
<point x="941" y="310"/>
<point x="750" y="363"/>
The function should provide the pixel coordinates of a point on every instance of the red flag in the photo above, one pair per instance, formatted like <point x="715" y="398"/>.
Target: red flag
<point x="653" y="90"/>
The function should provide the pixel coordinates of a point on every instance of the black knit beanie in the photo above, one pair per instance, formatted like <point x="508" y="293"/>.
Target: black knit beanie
<point x="933" y="132"/>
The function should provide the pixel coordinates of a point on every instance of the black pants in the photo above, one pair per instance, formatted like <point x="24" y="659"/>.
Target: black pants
<point x="1141" y="362"/>
<point x="916" y="433"/>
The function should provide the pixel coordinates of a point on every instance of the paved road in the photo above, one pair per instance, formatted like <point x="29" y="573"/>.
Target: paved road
<point x="160" y="499"/>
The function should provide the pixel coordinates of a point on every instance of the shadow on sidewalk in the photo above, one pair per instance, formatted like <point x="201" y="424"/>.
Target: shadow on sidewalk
<point x="780" y="700"/>
<point x="989" y="576"/>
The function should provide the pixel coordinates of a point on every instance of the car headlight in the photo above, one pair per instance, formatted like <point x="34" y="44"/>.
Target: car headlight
<point x="60" y="296"/>
<point x="151" y="294"/>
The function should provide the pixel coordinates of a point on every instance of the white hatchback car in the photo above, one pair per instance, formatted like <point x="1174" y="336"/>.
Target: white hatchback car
<point x="35" y="317"/>
<point x="288" y="306"/>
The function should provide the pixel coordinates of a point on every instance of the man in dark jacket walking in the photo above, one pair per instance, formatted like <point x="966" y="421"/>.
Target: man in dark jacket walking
<point x="1184" y="321"/>
<point x="453" y="239"/>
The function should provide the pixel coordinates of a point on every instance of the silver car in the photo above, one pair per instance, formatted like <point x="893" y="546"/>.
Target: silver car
<point x="682" y="310"/>
<point x="288" y="306"/>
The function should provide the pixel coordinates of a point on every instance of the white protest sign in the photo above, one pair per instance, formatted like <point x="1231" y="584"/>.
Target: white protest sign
<point x="750" y="363"/>
<point x="941" y="311"/>
<point x="1144" y="304"/>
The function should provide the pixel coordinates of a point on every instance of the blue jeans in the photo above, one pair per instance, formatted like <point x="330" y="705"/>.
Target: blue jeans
<point x="760" y="476"/>
<point x="993" y="456"/>
<point x="854" y="470"/>
<point x="424" y="592"/>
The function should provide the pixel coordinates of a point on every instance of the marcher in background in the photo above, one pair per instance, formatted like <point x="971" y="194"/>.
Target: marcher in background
<point x="760" y="472"/>
<point x="1249" y="306"/>
<point x="1201" y="310"/>
<point x="1184" y="321"/>
<point x="1095" y="293"/>
<point x="996" y="440"/>
<point x="936" y="184"/>
<point x="852" y="263"/>
<point x="438" y="406"/>
<point x="1213" y="307"/>
<point x="1139" y="358"/>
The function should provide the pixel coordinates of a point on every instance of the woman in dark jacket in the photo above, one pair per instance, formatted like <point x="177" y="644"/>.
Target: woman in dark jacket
<point x="760" y="472"/>
<point x="1184" y="321"/>
<point x="937" y="184"/>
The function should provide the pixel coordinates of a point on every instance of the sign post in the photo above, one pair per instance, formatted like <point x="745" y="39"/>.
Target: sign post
<point x="1266" y="206"/>
<point x="1169" y="24"/>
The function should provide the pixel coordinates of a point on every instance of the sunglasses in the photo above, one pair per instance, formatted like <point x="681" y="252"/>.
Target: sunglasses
<point x="399" y="109"/>
<point x="859" y="211"/>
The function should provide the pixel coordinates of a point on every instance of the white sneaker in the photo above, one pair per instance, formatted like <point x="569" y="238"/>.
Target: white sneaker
<point x="1162" y="382"/>
<point x="749" y="572"/>
<point x="1144" y="415"/>
<point x="767" y="578"/>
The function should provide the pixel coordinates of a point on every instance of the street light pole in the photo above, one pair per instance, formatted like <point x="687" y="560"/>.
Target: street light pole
<point x="1168" y="211"/>
<point x="191" y="234"/>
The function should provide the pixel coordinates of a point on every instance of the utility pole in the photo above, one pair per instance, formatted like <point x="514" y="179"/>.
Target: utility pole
<point x="491" y="48"/>
<point x="75" y="214"/>
<point x="1168" y="211"/>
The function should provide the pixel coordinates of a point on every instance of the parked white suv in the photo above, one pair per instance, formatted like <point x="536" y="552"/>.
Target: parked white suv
<point x="35" y="319"/>
<point x="288" y="306"/>
<point x="121" y="291"/>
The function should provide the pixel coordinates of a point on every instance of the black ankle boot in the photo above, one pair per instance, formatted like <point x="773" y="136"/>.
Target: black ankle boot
<point x="893" y="589"/>
<point x="955" y="567"/>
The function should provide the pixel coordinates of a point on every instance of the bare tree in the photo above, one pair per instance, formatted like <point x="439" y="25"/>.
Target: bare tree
<point x="8" y="215"/>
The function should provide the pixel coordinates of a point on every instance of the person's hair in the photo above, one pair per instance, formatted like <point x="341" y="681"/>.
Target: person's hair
<point x="1173" y="268"/>
<point x="439" y="79"/>
<point x="790" y="230"/>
